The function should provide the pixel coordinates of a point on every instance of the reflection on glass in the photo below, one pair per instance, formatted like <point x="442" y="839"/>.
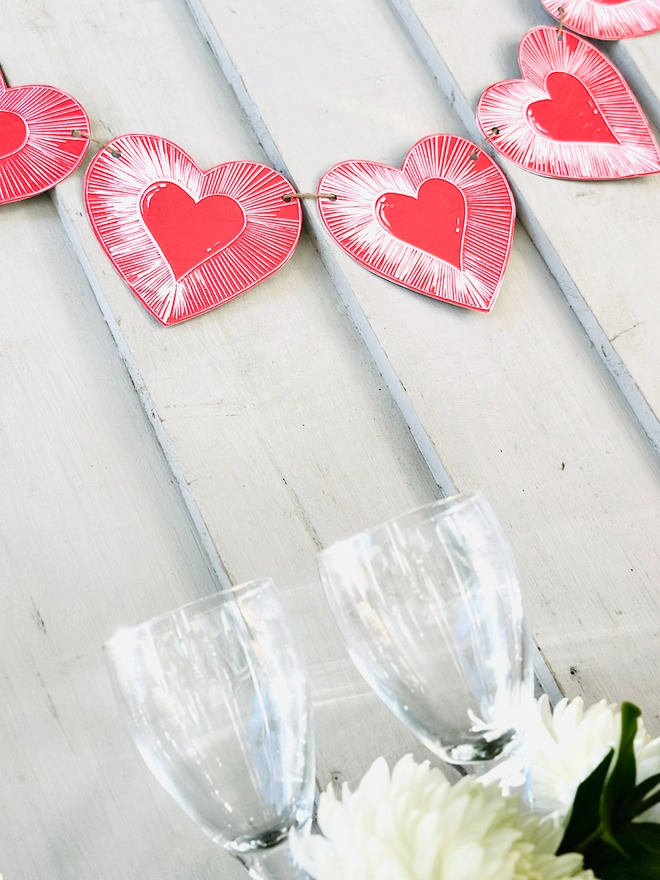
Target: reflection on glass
<point x="431" y="611"/>
<point x="218" y="703"/>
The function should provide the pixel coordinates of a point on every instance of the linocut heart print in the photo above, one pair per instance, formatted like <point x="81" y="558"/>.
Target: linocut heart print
<point x="607" y="19"/>
<point x="38" y="147"/>
<point x="186" y="240"/>
<point x="572" y="115"/>
<point x="441" y="225"/>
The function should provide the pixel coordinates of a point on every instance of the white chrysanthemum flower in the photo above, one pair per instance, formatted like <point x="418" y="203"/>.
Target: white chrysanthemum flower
<point x="568" y="744"/>
<point x="414" y="825"/>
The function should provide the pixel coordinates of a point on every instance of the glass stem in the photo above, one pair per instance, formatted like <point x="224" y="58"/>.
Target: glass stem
<point x="274" y="863"/>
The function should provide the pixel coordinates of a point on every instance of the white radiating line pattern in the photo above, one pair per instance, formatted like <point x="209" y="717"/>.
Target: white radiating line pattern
<point x="113" y="189"/>
<point x="505" y="104"/>
<point x="51" y="152"/>
<point x="631" y="18"/>
<point x="489" y="223"/>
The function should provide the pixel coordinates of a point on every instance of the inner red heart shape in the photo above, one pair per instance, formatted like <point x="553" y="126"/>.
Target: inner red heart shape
<point x="433" y="221"/>
<point x="13" y="133"/>
<point x="570" y="113"/>
<point x="186" y="231"/>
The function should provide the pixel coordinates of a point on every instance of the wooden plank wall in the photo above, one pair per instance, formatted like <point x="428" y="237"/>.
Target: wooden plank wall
<point x="94" y="534"/>
<point x="143" y="466"/>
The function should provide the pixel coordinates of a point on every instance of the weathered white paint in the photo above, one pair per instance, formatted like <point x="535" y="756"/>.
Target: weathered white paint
<point x="639" y="60"/>
<point x="93" y="534"/>
<point x="506" y="400"/>
<point x="278" y="424"/>
<point x="428" y="51"/>
<point x="567" y="219"/>
<point x="287" y="417"/>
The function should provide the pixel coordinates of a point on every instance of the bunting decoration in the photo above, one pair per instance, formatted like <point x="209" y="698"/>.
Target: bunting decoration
<point x="572" y="115"/>
<point x="441" y="225"/>
<point x="186" y="240"/>
<point x="607" y="19"/>
<point x="43" y="139"/>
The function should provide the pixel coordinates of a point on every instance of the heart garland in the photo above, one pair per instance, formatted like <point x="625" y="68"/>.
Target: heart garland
<point x="441" y="225"/>
<point x="37" y="146"/>
<point x="186" y="240"/>
<point x="571" y="116"/>
<point x="607" y="19"/>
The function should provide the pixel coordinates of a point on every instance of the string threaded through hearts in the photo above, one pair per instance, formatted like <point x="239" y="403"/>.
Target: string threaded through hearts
<point x="560" y="27"/>
<point x="296" y="195"/>
<point x="76" y="133"/>
<point x="474" y="155"/>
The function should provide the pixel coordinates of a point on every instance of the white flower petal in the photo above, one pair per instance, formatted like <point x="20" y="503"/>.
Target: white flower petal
<point x="413" y="825"/>
<point x="566" y="747"/>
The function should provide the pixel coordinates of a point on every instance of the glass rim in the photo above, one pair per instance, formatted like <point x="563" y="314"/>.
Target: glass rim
<point x="450" y="502"/>
<point x="150" y="622"/>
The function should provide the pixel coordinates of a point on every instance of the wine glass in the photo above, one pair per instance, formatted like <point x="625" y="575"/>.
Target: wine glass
<point x="218" y="706"/>
<point x="432" y="614"/>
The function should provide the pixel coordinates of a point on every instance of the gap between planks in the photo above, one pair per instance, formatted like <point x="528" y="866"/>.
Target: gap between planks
<point x="429" y="54"/>
<point x="206" y="544"/>
<point x="623" y="59"/>
<point x="544" y="675"/>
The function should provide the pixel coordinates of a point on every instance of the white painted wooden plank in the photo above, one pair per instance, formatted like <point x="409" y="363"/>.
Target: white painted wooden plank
<point x="94" y="533"/>
<point x="277" y="424"/>
<point x="639" y="61"/>
<point x="590" y="234"/>
<point x="516" y="402"/>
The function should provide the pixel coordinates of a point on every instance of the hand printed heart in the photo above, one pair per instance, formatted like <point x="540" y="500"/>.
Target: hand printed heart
<point x="37" y="146"/>
<point x="186" y="240"/>
<point x="572" y="115"/>
<point x="442" y="225"/>
<point x="608" y="19"/>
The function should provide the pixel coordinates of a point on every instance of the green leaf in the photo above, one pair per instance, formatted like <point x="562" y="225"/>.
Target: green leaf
<point x="621" y="783"/>
<point x="648" y="803"/>
<point x="646" y="838"/>
<point x="585" y="815"/>
<point x="642" y="844"/>
<point x="634" y="804"/>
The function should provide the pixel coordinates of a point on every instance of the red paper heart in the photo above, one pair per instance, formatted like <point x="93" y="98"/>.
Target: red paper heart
<point x="13" y="133"/>
<point x="433" y="220"/>
<point x="572" y="115"/>
<point x="442" y="225"/>
<point x="186" y="240"/>
<point x="37" y="146"/>
<point x="186" y="231"/>
<point x="608" y="19"/>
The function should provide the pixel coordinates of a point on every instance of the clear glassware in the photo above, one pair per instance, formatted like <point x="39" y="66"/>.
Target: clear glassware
<point x="431" y="611"/>
<point x="218" y="706"/>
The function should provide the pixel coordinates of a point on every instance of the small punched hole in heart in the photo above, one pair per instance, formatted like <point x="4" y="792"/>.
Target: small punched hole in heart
<point x="433" y="221"/>
<point x="474" y="155"/>
<point x="13" y="133"/>
<point x="189" y="232"/>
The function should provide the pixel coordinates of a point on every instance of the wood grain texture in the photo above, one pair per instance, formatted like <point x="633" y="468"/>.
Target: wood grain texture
<point x="94" y="535"/>
<point x="639" y="61"/>
<point x="286" y="417"/>
<point x="517" y="403"/>
<point x="277" y="424"/>
<point x="613" y="290"/>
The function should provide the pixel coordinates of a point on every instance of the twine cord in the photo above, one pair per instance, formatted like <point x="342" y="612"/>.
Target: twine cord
<point x="77" y="133"/>
<point x="287" y="197"/>
<point x="474" y="155"/>
<point x="560" y="26"/>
